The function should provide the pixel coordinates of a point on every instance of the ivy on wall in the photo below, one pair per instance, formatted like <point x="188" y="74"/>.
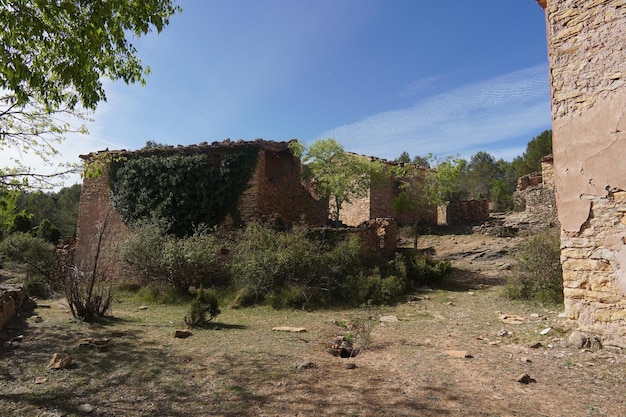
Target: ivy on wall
<point x="185" y="189"/>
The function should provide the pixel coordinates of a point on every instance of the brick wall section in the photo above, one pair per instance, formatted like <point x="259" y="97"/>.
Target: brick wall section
<point x="588" y="90"/>
<point x="12" y="296"/>
<point x="94" y="210"/>
<point x="276" y="192"/>
<point x="463" y="212"/>
<point x="379" y="204"/>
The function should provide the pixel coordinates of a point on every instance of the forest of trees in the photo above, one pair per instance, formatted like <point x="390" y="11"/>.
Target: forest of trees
<point x="484" y="176"/>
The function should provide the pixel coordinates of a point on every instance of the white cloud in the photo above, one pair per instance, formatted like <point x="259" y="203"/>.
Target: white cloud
<point x="463" y="120"/>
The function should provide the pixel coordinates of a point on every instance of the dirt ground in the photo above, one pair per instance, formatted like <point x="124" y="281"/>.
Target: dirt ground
<point x="454" y="351"/>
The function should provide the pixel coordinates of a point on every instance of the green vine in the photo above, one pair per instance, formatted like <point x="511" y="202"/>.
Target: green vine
<point x="187" y="190"/>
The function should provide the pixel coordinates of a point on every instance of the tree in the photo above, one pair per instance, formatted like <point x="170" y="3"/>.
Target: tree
<point x="537" y="148"/>
<point x="54" y="56"/>
<point x="482" y="171"/>
<point x="338" y="176"/>
<point x="404" y="158"/>
<point x="421" y="189"/>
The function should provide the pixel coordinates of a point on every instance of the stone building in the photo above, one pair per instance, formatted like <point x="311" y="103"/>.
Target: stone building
<point x="535" y="194"/>
<point x="378" y="203"/>
<point x="274" y="193"/>
<point x="587" y="55"/>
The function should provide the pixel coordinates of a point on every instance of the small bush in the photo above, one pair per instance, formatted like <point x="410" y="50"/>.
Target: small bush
<point x="205" y="303"/>
<point x="537" y="274"/>
<point x="37" y="287"/>
<point x="370" y="288"/>
<point x="267" y="263"/>
<point x="157" y="257"/>
<point x="425" y="270"/>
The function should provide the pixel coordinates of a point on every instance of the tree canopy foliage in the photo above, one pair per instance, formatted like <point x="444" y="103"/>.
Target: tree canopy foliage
<point x="339" y="176"/>
<point x="537" y="148"/>
<point x="54" y="56"/>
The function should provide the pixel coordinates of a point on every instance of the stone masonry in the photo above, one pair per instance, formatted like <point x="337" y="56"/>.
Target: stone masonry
<point x="275" y="194"/>
<point x="12" y="296"/>
<point x="587" y="54"/>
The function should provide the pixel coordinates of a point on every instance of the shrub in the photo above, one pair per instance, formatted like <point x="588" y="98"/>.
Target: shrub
<point x="425" y="270"/>
<point x="157" y="257"/>
<point x="206" y="302"/>
<point x="267" y="263"/>
<point x="372" y="288"/>
<point x="537" y="274"/>
<point x="37" y="287"/>
<point x="33" y="252"/>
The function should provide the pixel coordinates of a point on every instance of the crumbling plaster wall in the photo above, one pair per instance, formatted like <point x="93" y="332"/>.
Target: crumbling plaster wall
<point x="587" y="54"/>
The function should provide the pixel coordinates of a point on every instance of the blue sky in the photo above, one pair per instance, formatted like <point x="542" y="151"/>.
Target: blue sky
<point x="379" y="76"/>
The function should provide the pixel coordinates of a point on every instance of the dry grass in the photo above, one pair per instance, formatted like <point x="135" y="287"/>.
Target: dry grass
<point x="243" y="368"/>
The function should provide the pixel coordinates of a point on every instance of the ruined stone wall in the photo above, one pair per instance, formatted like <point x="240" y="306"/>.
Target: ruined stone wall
<point x="379" y="236"/>
<point x="356" y="211"/>
<point x="463" y="212"/>
<point x="276" y="193"/>
<point x="96" y="214"/>
<point x="12" y="296"/>
<point x="587" y="54"/>
<point x="538" y="199"/>
<point x="378" y="203"/>
<point x="547" y="171"/>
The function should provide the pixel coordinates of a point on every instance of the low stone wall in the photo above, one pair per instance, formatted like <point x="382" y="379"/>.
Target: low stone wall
<point x="462" y="212"/>
<point x="12" y="296"/>
<point x="378" y="236"/>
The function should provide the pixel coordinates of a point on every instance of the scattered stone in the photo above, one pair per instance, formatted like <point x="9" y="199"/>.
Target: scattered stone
<point x="504" y="333"/>
<point x="59" y="361"/>
<point x="182" y="334"/>
<point x="350" y="365"/>
<point x="579" y="340"/>
<point x="511" y="318"/>
<point x="304" y="365"/>
<point x="562" y="315"/>
<point x="534" y="316"/>
<point x="143" y="307"/>
<point x="38" y="319"/>
<point x="545" y="331"/>
<point x="535" y="345"/>
<point x="289" y="329"/>
<point x="525" y="379"/>
<point x="91" y="342"/>
<point x="505" y="267"/>
<point x="388" y="319"/>
<point x="526" y="359"/>
<point x="41" y="380"/>
<point x="86" y="408"/>
<point x="458" y="354"/>
<point x="16" y="339"/>
<point x="342" y="348"/>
